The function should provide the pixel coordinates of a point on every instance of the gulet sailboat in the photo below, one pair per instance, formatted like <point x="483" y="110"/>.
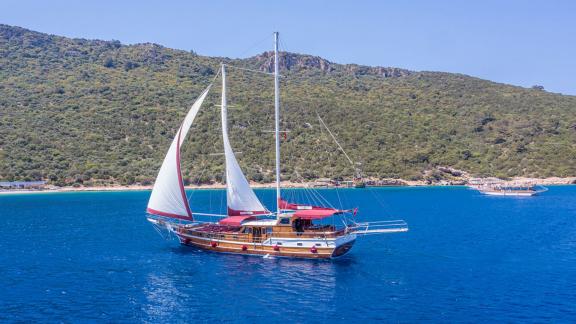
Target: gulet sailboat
<point x="293" y="229"/>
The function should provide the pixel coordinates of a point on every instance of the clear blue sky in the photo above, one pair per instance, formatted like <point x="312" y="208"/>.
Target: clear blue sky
<point x="517" y="42"/>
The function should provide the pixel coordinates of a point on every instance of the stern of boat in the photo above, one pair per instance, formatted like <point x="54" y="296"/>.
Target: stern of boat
<point x="344" y="245"/>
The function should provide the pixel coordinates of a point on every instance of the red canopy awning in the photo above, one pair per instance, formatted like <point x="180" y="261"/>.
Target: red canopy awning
<point x="283" y="204"/>
<point x="234" y="220"/>
<point x="315" y="213"/>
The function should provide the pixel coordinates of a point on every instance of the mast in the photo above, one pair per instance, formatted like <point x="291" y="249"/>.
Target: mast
<point x="224" y="107"/>
<point x="277" y="122"/>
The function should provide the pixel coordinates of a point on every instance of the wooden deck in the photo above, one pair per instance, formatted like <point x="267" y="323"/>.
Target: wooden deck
<point x="240" y="240"/>
<point x="258" y="234"/>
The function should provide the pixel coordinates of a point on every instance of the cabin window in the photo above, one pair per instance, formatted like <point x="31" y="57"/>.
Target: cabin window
<point x="279" y="243"/>
<point x="247" y="230"/>
<point x="285" y="221"/>
<point x="318" y="244"/>
<point x="268" y="230"/>
<point x="299" y="244"/>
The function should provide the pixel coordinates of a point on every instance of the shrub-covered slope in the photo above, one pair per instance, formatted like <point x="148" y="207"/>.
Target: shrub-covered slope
<point x="75" y="110"/>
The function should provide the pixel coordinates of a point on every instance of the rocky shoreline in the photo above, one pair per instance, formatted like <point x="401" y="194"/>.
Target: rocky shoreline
<point x="317" y="184"/>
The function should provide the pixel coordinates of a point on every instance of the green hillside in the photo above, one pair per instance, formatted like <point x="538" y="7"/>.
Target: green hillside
<point x="88" y="111"/>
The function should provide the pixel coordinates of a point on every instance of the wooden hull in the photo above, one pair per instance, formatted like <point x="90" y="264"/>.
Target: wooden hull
<point x="266" y="249"/>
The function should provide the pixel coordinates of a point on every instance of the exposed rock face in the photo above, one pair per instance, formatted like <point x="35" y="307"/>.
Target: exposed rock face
<point x="291" y="61"/>
<point x="385" y="72"/>
<point x="451" y="171"/>
<point x="151" y="54"/>
<point x="299" y="62"/>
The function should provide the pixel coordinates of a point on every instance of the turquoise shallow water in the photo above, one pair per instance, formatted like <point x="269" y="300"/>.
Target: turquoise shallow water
<point x="93" y="257"/>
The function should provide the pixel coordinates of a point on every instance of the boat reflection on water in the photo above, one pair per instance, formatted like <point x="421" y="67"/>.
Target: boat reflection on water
<point x="198" y="281"/>
<point x="164" y="298"/>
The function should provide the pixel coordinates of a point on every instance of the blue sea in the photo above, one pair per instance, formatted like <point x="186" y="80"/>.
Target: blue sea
<point x="93" y="257"/>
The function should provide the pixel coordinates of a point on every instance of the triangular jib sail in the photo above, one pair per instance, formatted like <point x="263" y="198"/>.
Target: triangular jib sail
<point x="168" y="196"/>
<point x="241" y="199"/>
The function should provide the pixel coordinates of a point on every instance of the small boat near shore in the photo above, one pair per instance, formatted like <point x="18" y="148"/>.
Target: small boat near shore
<point x="294" y="229"/>
<point x="511" y="190"/>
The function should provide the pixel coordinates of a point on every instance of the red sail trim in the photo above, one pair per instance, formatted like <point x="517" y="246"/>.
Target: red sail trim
<point x="234" y="220"/>
<point x="234" y="212"/>
<point x="182" y="191"/>
<point x="159" y="213"/>
<point x="283" y="204"/>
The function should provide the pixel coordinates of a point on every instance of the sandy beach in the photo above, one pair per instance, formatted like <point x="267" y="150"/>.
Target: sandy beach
<point x="285" y="184"/>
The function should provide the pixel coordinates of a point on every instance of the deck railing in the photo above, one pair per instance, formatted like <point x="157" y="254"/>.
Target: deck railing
<point x="380" y="227"/>
<point x="250" y="238"/>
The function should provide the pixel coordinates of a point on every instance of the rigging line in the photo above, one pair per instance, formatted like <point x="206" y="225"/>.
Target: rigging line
<point x="213" y="126"/>
<point x="216" y="76"/>
<point x="204" y="167"/>
<point x="250" y="70"/>
<point x="330" y="159"/>
<point x="339" y="200"/>
<point x="308" y="195"/>
<point x="209" y="85"/>
<point x="335" y="140"/>
<point x="298" y="194"/>
<point x="268" y="36"/>
<point x="291" y="161"/>
<point x="380" y="201"/>
<point x="341" y="149"/>
<point x="294" y="195"/>
<point x="316" y="198"/>
<point x="225" y="195"/>
<point x="312" y="196"/>
<point x="321" y="199"/>
<point x="282" y="46"/>
<point x="210" y="215"/>
<point x="210" y="200"/>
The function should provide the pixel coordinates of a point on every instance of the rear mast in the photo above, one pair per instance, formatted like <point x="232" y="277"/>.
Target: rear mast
<point x="277" y="122"/>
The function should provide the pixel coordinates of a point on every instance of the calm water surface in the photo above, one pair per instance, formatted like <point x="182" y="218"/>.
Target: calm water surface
<point x="93" y="257"/>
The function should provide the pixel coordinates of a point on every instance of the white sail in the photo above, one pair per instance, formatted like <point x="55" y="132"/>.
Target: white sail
<point x="168" y="197"/>
<point x="240" y="197"/>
